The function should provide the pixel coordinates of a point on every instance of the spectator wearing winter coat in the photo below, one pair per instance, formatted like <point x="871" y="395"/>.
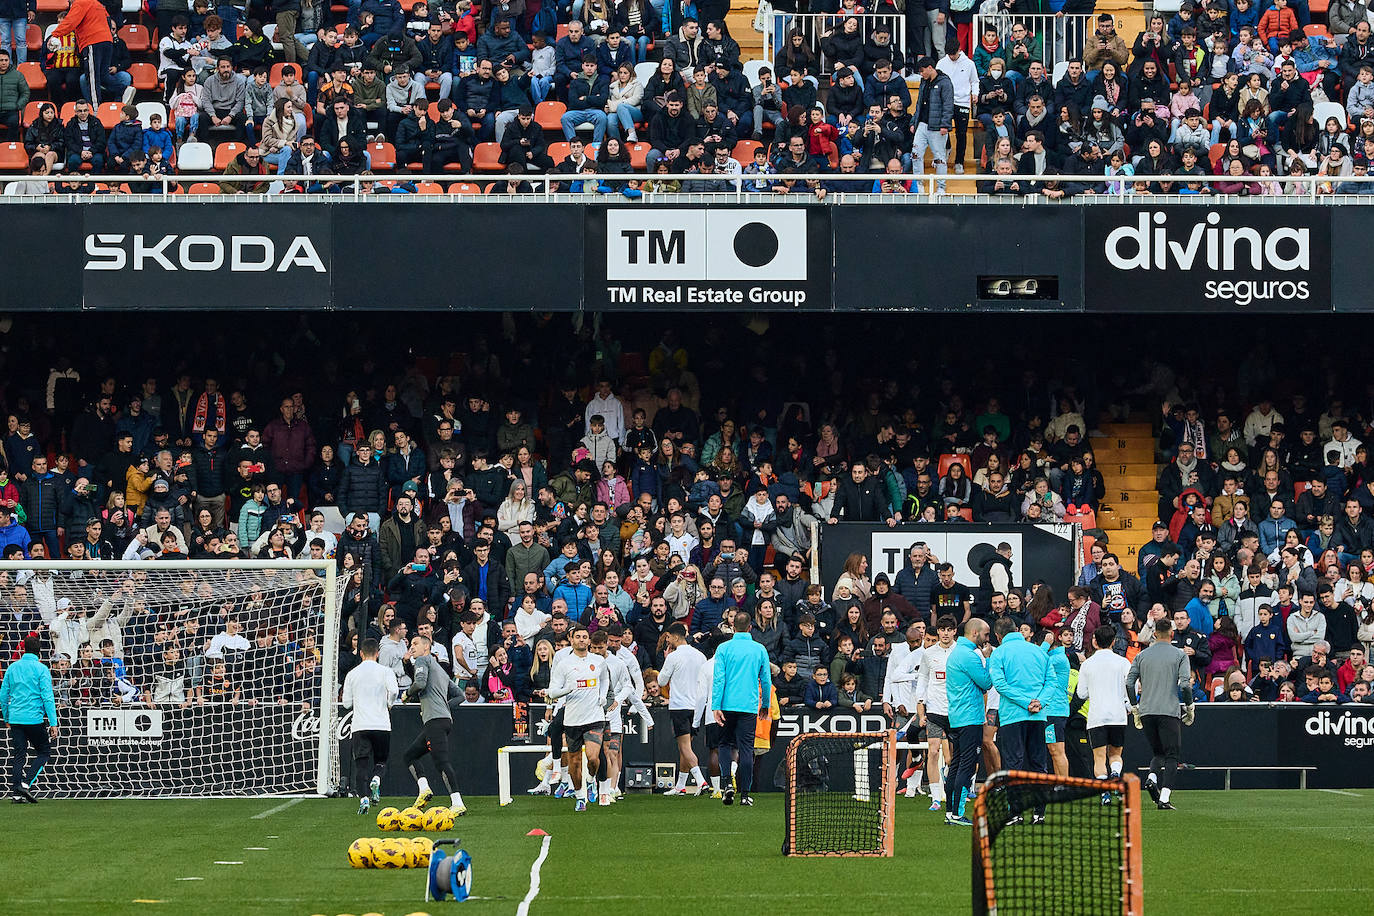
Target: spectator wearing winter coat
<point x="807" y="650"/>
<point x="363" y="487"/>
<point x="860" y="498"/>
<point x="1306" y="627"/>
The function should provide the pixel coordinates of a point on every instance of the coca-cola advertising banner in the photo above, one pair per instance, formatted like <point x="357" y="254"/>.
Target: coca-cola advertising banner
<point x="1186" y="258"/>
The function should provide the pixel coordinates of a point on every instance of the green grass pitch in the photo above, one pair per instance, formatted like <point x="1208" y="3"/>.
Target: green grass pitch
<point x="1220" y="853"/>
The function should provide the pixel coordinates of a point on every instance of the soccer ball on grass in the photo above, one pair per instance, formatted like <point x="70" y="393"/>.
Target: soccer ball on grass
<point x="439" y="819"/>
<point x="360" y="853"/>
<point x="412" y="819"/>
<point x="391" y="853"/>
<point x="389" y="819"/>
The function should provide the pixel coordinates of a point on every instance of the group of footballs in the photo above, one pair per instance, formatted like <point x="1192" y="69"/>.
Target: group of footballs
<point x="400" y="852"/>
<point x="392" y="852"/>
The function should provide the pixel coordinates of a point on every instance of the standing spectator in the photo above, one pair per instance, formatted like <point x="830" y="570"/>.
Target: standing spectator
<point x="41" y="496"/>
<point x="963" y="77"/>
<point x="291" y="443"/>
<point x="934" y="113"/>
<point x="89" y="21"/>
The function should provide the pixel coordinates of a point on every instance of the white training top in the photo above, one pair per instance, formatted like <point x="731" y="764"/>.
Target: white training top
<point x="1102" y="682"/>
<point x="706" y="675"/>
<point x="583" y="681"/>
<point x="899" y="687"/>
<point x="679" y="673"/>
<point x="930" y="686"/>
<point x="553" y="672"/>
<point x="369" y="690"/>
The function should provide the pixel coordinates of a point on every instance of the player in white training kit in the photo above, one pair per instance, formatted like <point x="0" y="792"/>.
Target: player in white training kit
<point x="932" y="707"/>
<point x="1102" y="682"/>
<point x="582" y="678"/>
<point x="369" y="691"/>
<point x="899" y="694"/>
<point x="619" y="687"/>
<point x="679" y="680"/>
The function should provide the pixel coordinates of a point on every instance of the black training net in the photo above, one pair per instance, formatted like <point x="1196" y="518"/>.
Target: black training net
<point x="1077" y="861"/>
<point x="839" y="791"/>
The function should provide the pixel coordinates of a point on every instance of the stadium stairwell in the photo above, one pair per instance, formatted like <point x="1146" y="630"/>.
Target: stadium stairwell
<point x="1125" y="455"/>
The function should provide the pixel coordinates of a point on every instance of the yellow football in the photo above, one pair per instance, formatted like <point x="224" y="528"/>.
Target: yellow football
<point x="389" y="819"/>
<point x="390" y="854"/>
<point x="420" y="849"/>
<point x="436" y="817"/>
<point x="412" y="819"/>
<point x="360" y="853"/>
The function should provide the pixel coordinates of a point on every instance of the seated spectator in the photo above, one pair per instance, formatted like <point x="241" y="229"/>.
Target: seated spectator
<point x="85" y="139"/>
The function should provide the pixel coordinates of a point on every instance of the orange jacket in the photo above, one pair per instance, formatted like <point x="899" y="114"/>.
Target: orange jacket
<point x="1276" y="23"/>
<point x="89" y="20"/>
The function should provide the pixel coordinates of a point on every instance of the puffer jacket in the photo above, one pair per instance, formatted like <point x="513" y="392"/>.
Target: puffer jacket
<point x="363" y="488"/>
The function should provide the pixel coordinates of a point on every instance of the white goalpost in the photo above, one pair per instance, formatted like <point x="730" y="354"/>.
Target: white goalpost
<point x="197" y="678"/>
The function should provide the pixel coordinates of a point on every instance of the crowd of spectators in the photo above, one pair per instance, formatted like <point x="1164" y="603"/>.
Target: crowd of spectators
<point x="1241" y="90"/>
<point x="500" y="501"/>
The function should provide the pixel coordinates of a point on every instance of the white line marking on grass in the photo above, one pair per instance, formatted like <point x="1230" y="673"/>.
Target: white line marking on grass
<point x="256" y="848"/>
<point x="1339" y="792"/>
<point x="524" y="908"/>
<point x="193" y="878"/>
<point x="698" y="833"/>
<point x="282" y="807"/>
<point x="272" y="836"/>
<point x="228" y="863"/>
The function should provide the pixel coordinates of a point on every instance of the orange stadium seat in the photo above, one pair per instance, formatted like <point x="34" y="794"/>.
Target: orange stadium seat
<point x="487" y="158"/>
<point x="13" y="157"/>
<point x="34" y="75"/>
<point x="137" y="37"/>
<point x="225" y="153"/>
<point x="383" y="156"/>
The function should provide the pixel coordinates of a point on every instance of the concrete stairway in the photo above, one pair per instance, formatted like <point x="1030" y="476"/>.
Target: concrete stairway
<point x="1125" y="454"/>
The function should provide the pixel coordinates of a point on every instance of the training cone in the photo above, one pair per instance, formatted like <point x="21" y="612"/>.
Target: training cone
<point x="536" y="832"/>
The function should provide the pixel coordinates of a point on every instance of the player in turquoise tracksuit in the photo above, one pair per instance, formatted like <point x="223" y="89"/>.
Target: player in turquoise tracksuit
<point x="1056" y="703"/>
<point x="966" y="686"/>
<point x="1019" y="671"/>
<point x="740" y="687"/>
<point x="26" y="701"/>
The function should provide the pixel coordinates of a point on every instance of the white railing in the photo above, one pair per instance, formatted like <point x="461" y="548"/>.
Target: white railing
<point x="923" y="188"/>
<point x="817" y="26"/>
<point x="1061" y="36"/>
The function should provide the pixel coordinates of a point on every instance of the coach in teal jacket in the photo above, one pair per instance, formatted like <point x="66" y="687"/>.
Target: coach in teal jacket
<point x="1019" y="671"/>
<point x="739" y="689"/>
<point x="25" y="700"/>
<point x="26" y="696"/>
<point x="966" y="683"/>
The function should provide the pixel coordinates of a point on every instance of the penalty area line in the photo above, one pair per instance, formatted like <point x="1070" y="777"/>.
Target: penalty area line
<point x="524" y="908"/>
<point x="1340" y="792"/>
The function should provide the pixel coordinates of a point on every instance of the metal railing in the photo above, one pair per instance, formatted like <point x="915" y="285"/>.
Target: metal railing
<point x="1062" y="36"/>
<point x="918" y="188"/>
<point x="816" y="28"/>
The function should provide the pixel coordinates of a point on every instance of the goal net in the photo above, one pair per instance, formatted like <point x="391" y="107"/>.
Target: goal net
<point x="1085" y="858"/>
<point x="840" y="791"/>
<point x="193" y="678"/>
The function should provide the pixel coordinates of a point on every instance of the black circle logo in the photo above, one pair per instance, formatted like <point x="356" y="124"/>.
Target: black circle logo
<point x="756" y="244"/>
<point x="143" y="722"/>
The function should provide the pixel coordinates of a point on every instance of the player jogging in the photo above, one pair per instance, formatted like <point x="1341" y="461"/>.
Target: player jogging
<point x="556" y="779"/>
<point x="932" y="705"/>
<point x="433" y="686"/>
<point x="581" y="677"/>
<point x="966" y="685"/>
<point x="26" y="701"/>
<point x="619" y="687"/>
<point x="1160" y="676"/>
<point x="1102" y="682"/>
<point x="1021" y="672"/>
<point x="678" y="679"/>
<point x="369" y="690"/>
<point x="739" y="695"/>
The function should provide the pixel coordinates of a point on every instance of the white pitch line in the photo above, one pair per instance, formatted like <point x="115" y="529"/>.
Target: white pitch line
<point x="697" y="833"/>
<point x="190" y="879"/>
<point x="255" y="848"/>
<point x="228" y="863"/>
<point x="1339" y="792"/>
<point x="282" y="807"/>
<point x="524" y="908"/>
